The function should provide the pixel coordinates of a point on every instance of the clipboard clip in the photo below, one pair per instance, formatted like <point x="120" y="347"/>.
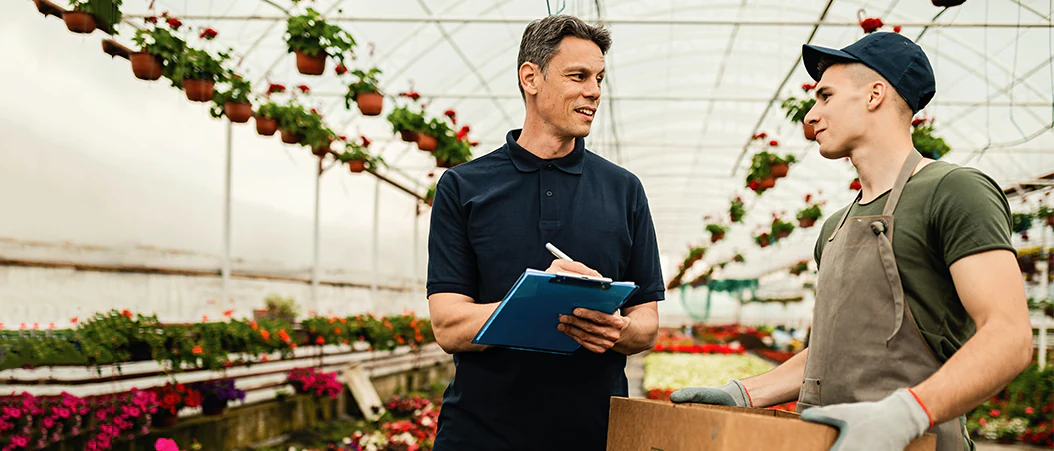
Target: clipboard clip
<point x="581" y="280"/>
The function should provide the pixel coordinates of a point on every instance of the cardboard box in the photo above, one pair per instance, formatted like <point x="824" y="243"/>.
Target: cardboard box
<point x="650" y="425"/>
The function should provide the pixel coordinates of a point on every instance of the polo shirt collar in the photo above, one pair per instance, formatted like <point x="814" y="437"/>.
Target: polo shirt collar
<point x="526" y="161"/>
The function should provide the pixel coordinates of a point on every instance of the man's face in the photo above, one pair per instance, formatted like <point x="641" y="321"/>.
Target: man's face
<point x="840" y="110"/>
<point x="569" y="89"/>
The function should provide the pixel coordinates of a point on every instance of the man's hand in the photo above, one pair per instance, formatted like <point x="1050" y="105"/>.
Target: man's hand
<point x="731" y="394"/>
<point x="886" y="425"/>
<point x="595" y="331"/>
<point x="572" y="267"/>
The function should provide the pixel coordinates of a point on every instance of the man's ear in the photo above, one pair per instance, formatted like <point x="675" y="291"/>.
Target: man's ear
<point x="530" y="73"/>
<point x="879" y="94"/>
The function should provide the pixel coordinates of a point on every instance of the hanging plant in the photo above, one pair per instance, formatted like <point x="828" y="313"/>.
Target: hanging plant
<point x="1022" y="222"/>
<point x="763" y="240"/>
<point x="808" y="216"/>
<point x="234" y="100"/>
<point x="765" y="168"/>
<point x="738" y="258"/>
<point x="796" y="110"/>
<point x="291" y="119"/>
<point x="855" y="184"/>
<point x="267" y="118"/>
<point x="717" y="232"/>
<point x="1045" y="213"/>
<point x="736" y="209"/>
<point x="312" y="39"/>
<point x="365" y="92"/>
<point x="451" y="149"/>
<point x="430" y="195"/>
<point x="780" y="228"/>
<point x="799" y="267"/>
<point x="200" y="71"/>
<point x="407" y="123"/>
<point x="922" y="137"/>
<point x="358" y="159"/>
<point x="159" y="52"/>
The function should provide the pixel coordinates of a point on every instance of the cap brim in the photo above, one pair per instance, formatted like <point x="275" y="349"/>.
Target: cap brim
<point x="811" y="56"/>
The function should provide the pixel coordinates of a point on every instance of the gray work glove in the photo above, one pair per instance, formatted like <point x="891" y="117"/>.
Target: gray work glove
<point x="730" y="394"/>
<point x="889" y="424"/>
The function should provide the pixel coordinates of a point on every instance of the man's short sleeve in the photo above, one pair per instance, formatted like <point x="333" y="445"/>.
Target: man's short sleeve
<point x="970" y="215"/>
<point x="451" y="260"/>
<point x="644" y="268"/>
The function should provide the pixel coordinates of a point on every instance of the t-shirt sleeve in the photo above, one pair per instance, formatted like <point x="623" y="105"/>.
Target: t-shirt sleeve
<point x="451" y="260"/>
<point x="644" y="268"/>
<point x="970" y="215"/>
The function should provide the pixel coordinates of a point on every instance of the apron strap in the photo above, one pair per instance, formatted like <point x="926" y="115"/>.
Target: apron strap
<point x="902" y="179"/>
<point x="845" y="215"/>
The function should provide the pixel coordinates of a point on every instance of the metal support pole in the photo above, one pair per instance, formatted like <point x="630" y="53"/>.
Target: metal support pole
<point x="226" y="268"/>
<point x="1044" y="293"/>
<point x="376" y="243"/>
<point x="417" y="241"/>
<point x="318" y="234"/>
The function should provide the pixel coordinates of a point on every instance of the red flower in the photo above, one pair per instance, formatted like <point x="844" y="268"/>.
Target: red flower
<point x="461" y="134"/>
<point x="283" y="335"/>
<point x="452" y="115"/>
<point x="365" y="142"/>
<point x="1029" y="410"/>
<point x="265" y="334"/>
<point x="896" y="29"/>
<point x="275" y="87"/>
<point x="204" y="318"/>
<point x="473" y="143"/>
<point x="73" y="320"/>
<point x="151" y="20"/>
<point x="753" y="185"/>
<point x="413" y="95"/>
<point x="228" y="313"/>
<point x="265" y="358"/>
<point x="208" y="34"/>
<point x="808" y="197"/>
<point x="808" y="87"/>
<point x="320" y="340"/>
<point x="304" y="89"/>
<point x="761" y="135"/>
<point x="174" y="23"/>
<point x="193" y="399"/>
<point x="126" y="313"/>
<point x="774" y="143"/>
<point x="871" y="24"/>
<point x="314" y="111"/>
<point x="196" y="350"/>
<point x="341" y="69"/>
<point x="855" y="185"/>
<point x="994" y="412"/>
<point x="292" y="345"/>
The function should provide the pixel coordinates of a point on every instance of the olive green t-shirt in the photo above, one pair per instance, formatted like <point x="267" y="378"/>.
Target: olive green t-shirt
<point x="945" y="213"/>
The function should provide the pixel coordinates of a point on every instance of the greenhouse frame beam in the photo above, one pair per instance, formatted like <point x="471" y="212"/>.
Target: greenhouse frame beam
<point x="611" y="21"/>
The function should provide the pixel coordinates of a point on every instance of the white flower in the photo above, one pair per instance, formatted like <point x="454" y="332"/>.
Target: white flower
<point x="347" y="440"/>
<point x="426" y="421"/>
<point x="675" y="371"/>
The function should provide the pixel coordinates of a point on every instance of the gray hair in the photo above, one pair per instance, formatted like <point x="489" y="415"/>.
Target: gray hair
<point x="542" y="39"/>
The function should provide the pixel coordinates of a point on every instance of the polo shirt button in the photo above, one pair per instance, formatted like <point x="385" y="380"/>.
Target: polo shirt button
<point x="549" y="166"/>
<point x="548" y="194"/>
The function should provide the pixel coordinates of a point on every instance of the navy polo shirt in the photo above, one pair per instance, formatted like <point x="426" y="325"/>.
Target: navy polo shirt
<point x="491" y="218"/>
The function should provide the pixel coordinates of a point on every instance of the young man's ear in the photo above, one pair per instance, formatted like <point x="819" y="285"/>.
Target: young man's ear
<point x="530" y="73"/>
<point x="879" y="94"/>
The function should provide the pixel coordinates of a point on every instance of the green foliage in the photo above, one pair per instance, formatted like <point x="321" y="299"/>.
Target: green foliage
<point x="269" y="110"/>
<point x="358" y="152"/>
<point x="366" y="82"/>
<point x="780" y="226"/>
<point x="167" y="47"/>
<point x="106" y="12"/>
<point x="716" y="229"/>
<point x="309" y="33"/>
<point x="234" y="88"/>
<point x="797" y="108"/>
<point x="736" y="210"/>
<point x="281" y="307"/>
<point x="1022" y="222"/>
<point x="403" y="119"/>
<point x="927" y="144"/>
<point x="811" y="212"/>
<point x="196" y="64"/>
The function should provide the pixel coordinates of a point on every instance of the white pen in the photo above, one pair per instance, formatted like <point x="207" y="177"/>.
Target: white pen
<point x="557" y="252"/>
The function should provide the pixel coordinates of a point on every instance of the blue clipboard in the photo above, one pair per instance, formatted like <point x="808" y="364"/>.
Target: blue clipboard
<point x="527" y="317"/>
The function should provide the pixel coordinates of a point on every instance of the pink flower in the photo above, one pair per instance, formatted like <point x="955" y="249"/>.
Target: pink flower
<point x="994" y="412"/>
<point x="1029" y="410"/>
<point x="20" y="440"/>
<point x="48" y="423"/>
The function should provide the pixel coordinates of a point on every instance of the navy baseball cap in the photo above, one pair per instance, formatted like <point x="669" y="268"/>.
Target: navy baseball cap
<point x="892" y="55"/>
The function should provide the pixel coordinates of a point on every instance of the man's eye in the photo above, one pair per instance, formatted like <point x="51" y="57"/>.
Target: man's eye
<point x="577" y="76"/>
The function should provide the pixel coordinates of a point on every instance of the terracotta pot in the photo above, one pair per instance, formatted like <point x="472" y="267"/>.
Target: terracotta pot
<point x="238" y="112"/>
<point x="732" y="217"/>
<point x="370" y="103"/>
<point x="425" y="142"/>
<point x="766" y="183"/>
<point x="79" y="22"/>
<point x="806" y="222"/>
<point x="145" y="66"/>
<point x="265" y="126"/>
<point x="165" y="419"/>
<point x="783" y="234"/>
<point x="357" y="166"/>
<point x="310" y="65"/>
<point x="778" y="170"/>
<point x="290" y="138"/>
<point x="198" y="90"/>
<point x="947" y="3"/>
<point x="408" y="136"/>
<point x="715" y="237"/>
<point x="810" y="132"/>
<point x="429" y="201"/>
<point x="764" y="242"/>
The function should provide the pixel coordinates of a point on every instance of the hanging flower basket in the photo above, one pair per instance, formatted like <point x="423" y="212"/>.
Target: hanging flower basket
<point x="310" y="65"/>
<point x="370" y="103"/>
<point x="778" y="170"/>
<point x="806" y="222"/>
<point x="357" y="166"/>
<point x="426" y="142"/>
<point x="238" y="112"/>
<point x="763" y="240"/>
<point x="79" y="21"/>
<point x="198" y="90"/>
<point x="290" y="137"/>
<point x="408" y="136"/>
<point x="145" y="66"/>
<point x="266" y="126"/>
<point x="766" y="183"/>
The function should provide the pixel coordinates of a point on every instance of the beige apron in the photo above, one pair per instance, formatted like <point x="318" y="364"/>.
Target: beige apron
<point x="864" y="343"/>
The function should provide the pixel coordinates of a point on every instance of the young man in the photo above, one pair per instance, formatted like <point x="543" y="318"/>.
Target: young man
<point x="920" y="311"/>
<point x="491" y="219"/>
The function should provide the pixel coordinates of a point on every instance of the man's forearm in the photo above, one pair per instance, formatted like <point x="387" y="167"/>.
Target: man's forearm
<point x="455" y="322"/>
<point x="779" y="385"/>
<point x="982" y="367"/>
<point x="641" y="333"/>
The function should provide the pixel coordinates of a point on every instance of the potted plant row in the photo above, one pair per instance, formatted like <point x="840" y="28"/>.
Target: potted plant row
<point x="808" y="216"/>
<point x="358" y="159"/>
<point x="365" y="92"/>
<point x="84" y="16"/>
<point x="313" y="40"/>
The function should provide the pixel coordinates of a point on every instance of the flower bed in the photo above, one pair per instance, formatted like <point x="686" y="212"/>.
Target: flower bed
<point x="1023" y="411"/>
<point x="665" y="371"/>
